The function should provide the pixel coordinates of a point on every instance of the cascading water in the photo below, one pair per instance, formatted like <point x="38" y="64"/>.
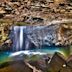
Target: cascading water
<point x="35" y="38"/>
<point x="19" y="38"/>
<point x="16" y="41"/>
<point x="26" y="38"/>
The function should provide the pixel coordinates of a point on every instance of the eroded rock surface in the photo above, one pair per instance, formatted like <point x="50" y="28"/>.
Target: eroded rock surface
<point x="37" y="12"/>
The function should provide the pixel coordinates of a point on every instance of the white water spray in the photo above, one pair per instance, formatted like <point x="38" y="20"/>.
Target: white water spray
<point x="21" y="38"/>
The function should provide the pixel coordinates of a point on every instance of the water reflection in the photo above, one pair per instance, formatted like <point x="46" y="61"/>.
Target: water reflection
<point x="7" y="56"/>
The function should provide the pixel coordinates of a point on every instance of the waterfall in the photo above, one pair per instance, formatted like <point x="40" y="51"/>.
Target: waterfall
<point x="35" y="38"/>
<point x="24" y="37"/>
<point x="21" y="38"/>
<point x="18" y="38"/>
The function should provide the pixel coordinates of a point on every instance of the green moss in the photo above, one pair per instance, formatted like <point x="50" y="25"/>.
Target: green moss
<point x="34" y="57"/>
<point x="22" y="23"/>
<point x="65" y="51"/>
<point x="5" y="21"/>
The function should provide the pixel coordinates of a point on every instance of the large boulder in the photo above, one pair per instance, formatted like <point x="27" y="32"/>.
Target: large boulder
<point x="15" y="66"/>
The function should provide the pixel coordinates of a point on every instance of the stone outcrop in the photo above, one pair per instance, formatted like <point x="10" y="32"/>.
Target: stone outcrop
<point x="54" y="34"/>
<point x="59" y="64"/>
<point x="15" y="66"/>
<point x="36" y="12"/>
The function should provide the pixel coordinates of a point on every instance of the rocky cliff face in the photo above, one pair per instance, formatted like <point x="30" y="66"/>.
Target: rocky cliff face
<point x="38" y="12"/>
<point x="35" y="11"/>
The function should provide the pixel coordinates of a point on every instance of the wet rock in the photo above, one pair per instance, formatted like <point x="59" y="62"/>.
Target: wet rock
<point x="66" y="69"/>
<point x="69" y="61"/>
<point x="6" y="46"/>
<point x="56" y="63"/>
<point x="39" y="64"/>
<point x="15" y="66"/>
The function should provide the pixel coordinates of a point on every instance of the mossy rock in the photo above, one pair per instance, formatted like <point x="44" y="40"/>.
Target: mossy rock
<point x="22" y="23"/>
